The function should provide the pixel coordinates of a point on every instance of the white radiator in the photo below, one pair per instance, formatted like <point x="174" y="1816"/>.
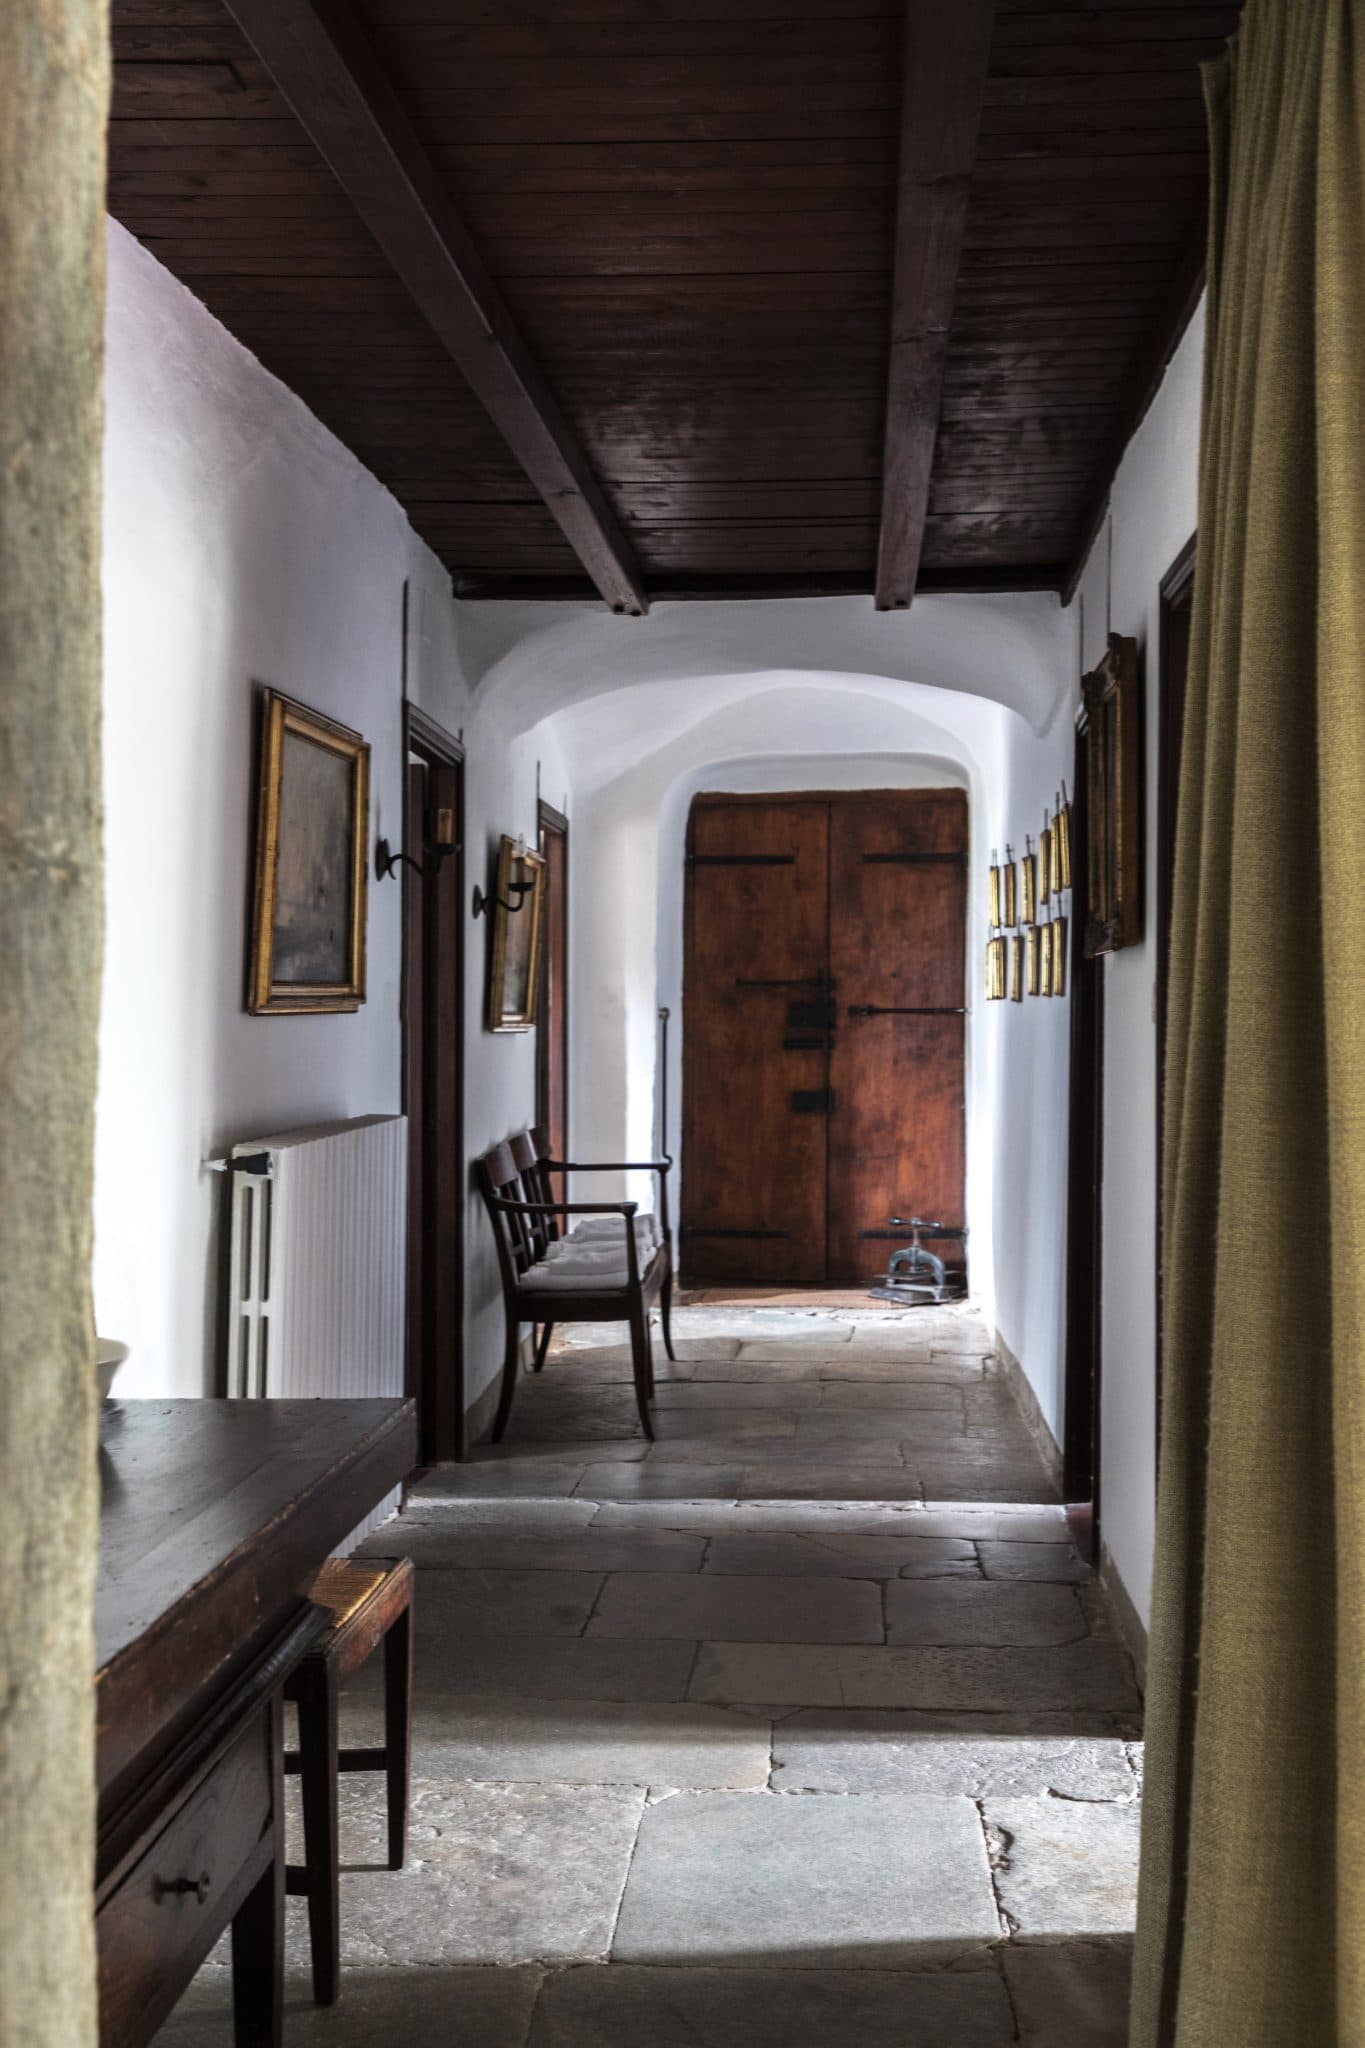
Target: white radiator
<point x="317" y="1284"/>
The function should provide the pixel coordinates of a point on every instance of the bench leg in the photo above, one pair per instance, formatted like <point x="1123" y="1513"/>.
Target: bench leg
<point x="509" y="1379"/>
<point x="316" y="1692"/>
<point x="398" y="1733"/>
<point x="642" y="1363"/>
<point x="666" y="1315"/>
<point x="542" y="1348"/>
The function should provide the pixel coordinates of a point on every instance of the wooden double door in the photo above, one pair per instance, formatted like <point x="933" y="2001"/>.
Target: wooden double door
<point x="823" y="1033"/>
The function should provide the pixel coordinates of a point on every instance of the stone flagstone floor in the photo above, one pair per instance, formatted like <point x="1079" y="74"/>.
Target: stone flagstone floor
<point x="804" y="1726"/>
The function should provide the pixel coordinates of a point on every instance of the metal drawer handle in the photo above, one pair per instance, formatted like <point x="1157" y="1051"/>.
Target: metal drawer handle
<point x="196" y="1888"/>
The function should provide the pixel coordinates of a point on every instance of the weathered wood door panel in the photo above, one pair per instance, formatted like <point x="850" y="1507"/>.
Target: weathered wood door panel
<point x="898" y="907"/>
<point x="822" y="1031"/>
<point x="756" y="949"/>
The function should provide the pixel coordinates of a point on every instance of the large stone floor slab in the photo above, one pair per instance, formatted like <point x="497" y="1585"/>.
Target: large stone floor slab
<point x="725" y="1609"/>
<point x="772" y="2008"/>
<point x="431" y="1544"/>
<point x="1064" y="1868"/>
<point x="478" y="2008"/>
<point x="496" y="1738"/>
<point x="855" y="1750"/>
<point x="985" y="1612"/>
<point x="1072" y="1678"/>
<point x="1070" y="1994"/>
<point x="873" y="1883"/>
<point x="452" y="1603"/>
<point x="475" y="1888"/>
<point x="556" y="1668"/>
<point x="779" y="1554"/>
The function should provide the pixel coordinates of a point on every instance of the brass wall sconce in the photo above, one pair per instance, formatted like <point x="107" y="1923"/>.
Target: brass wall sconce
<point x="438" y="846"/>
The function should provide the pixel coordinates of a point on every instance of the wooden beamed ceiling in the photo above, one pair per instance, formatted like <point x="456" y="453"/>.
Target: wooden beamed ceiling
<point x="743" y="335"/>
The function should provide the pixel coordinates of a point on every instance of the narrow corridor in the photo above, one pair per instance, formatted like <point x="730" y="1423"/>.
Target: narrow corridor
<point x="805" y="1725"/>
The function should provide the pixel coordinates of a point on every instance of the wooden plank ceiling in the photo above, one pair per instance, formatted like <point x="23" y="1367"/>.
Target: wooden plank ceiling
<point x="685" y="213"/>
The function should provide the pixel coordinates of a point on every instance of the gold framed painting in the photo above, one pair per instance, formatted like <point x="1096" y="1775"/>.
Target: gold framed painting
<point x="1028" y="885"/>
<point x="995" y="970"/>
<point x="995" y="895"/>
<point x="1032" y="958"/>
<point x="1059" y="956"/>
<point x="1008" y="892"/>
<point x="1045" y="861"/>
<point x="1112" y="697"/>
<point x="1017" y="968"/>
<point x="1062" y="828"/>
<point x="311" y="863"/>
<point x="1045" y="959"/>
<point x="517" y="906"/>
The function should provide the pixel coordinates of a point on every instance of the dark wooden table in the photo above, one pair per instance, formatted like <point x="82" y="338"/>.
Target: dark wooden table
<point x="215" y="1516"/>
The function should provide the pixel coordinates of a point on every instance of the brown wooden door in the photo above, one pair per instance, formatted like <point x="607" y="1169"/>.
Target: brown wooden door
<point x="755" y="987"/>
<point x="823" y="1084"/>
<point x="897" y="1134"/>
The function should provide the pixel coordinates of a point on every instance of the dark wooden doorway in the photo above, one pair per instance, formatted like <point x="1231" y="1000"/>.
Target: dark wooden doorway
<point x="1177" y="605"/>
<point x="433" y="1083"/>
<point x="552" y="1005"/>
<point x="1085" y="1207"/>
<point x="823" y="1033"/>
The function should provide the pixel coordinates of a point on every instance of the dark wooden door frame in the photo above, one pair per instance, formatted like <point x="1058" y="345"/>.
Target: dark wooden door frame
<point x="436" y="1236"/>
<point x="1176" y="599"/>
<point x="1085" y="1209"/>
<point x="550" y="820"/>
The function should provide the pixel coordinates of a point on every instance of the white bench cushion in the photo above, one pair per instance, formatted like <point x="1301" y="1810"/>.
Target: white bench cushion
<point x="609" y="1230"/>
<point x="584" y="1274"/>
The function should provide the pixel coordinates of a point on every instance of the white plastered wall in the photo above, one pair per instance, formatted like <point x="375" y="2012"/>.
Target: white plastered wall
<point x="1153" y="512"/>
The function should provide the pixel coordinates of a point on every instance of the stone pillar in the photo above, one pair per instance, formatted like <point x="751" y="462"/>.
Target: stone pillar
<point x="53" y="92"/>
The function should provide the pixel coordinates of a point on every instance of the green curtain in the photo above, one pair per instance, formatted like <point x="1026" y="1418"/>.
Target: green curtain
<point x="1251" y="1922"/>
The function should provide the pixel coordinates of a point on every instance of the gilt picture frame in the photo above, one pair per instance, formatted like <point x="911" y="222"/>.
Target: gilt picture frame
<point x="311" y="865"/>
<point x="1112" y="697"/>
<point x="516" y="910"/>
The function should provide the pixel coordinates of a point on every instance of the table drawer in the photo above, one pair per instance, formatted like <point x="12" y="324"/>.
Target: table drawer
<point x="156" y="1929"/>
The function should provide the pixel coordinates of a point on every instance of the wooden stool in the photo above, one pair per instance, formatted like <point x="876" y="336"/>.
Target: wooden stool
<point x="370" y="1601"/>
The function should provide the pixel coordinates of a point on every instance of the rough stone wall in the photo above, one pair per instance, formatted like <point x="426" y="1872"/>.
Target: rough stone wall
<point x="53" y="94"/>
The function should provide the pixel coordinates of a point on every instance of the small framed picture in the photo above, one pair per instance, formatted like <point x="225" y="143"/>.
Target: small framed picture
<point x="311" y="864"/>
<point x="1045" y="959"/>
<point x="1045" y="864"/>
<point x="1059" y="926"/>
<point x="1028" y="886"/>
<point x="1062" y="827"/>
<point x="1017" y="968"/>
<point x="995" y="896"/>
<point x="1032" y="959"/>
<point x="1008" y="901"/>
<point x="515" y="948"/>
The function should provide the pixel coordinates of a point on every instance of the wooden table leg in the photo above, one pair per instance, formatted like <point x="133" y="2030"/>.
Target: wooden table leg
<point x="316" y="1694"/>
<point x="258" y="1957"/>
<point x="398" y="1732"/>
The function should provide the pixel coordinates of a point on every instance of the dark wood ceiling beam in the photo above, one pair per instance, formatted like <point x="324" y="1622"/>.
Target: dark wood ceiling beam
<point x="326" y="70"/>
<point x="947" y="51"/>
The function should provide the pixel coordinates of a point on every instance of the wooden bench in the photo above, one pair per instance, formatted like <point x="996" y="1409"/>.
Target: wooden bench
<point x="610" y="1264"/>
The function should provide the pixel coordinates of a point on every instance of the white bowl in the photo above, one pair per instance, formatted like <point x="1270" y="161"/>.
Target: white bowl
<point x="109" y="1356"/>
